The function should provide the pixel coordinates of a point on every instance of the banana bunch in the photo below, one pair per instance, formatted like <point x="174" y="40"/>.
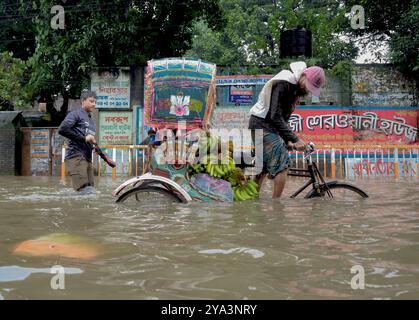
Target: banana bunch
<point x="198" y="168"/>
<point x="249" y="191"/>
<point x="236" y="177"/>
<point x="215" y="168"/>
<point x="207" y="143"/>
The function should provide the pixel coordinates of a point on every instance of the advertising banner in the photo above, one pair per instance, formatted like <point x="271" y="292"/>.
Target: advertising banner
<point x="372" y="125"/>
<point x="115" y="128"/>
<point x="337" y="125"/>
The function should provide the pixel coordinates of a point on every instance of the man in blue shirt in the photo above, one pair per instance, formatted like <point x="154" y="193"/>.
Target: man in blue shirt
<point x="79" y="127"/>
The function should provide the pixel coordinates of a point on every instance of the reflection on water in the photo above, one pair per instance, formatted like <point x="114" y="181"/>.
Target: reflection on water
<point x="16" y="273"/>
<point x="283" y="249"/>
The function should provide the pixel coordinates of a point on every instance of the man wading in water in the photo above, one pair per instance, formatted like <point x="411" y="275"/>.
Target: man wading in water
<point x="274" y="107"/>
<point x="78" y="126"/>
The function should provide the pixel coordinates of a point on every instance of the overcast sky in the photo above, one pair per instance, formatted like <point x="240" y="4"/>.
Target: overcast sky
<point x="366" y="55"/>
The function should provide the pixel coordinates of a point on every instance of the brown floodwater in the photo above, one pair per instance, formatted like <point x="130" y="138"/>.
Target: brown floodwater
<point x="283" y="249"/>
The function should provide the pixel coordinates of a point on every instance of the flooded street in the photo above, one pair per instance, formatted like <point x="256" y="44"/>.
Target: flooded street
<point x="284" y="249"/>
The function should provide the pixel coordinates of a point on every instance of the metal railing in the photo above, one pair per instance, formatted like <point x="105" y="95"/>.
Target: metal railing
<point x="357" y="161"/>
<point x="130" y="161"/>
<point x="343" y="161"/>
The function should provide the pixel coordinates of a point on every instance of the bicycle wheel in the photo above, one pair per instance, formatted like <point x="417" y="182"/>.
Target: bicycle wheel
<point x="150" y="194"/>
<point x="338" y="190"/>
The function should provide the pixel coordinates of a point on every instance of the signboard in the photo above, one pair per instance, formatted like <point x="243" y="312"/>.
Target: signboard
<point x="112" y="90"/>
<point x="369" y="125"/>
<point x="115" y="128"/>
<point x="241" y="94"/>
<point x="40" y="143"/>
<point x="242" y="80"/>
<point x="336" y="125"/>
<point x="39" y="152"/>
<point x="357" y="167"/>
<point x="239" y="90"/>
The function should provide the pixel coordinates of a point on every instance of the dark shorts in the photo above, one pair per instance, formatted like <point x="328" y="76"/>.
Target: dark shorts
<point x="275" y="154"/>
<point x="80" y="172"/>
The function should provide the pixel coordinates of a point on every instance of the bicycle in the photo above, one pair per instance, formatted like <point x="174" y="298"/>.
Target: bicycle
<point x="320" y="187"/>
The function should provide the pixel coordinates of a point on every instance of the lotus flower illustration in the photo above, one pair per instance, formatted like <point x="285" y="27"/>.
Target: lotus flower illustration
<point x="179" y="105"/>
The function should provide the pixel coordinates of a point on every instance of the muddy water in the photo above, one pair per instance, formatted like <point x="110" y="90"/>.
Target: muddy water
<point x="286" y="249"/>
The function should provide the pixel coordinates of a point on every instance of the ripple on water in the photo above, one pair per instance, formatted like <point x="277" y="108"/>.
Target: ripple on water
<point x="265" y="249"/>
<point x="252" y="252"/>
<point x="51" y="196"/>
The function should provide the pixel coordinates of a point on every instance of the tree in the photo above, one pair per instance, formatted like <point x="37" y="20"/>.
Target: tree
<point x="404" y="44"/>
<point x="252" y="34"/>
<point x="395" y="23"/>
<point x="12" y="71"/>
<point x="16" y="30"/>
<point x="105" y="35"/>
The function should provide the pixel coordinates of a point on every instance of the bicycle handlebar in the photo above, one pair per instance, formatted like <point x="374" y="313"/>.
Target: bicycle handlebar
<point x="309" y="149"/>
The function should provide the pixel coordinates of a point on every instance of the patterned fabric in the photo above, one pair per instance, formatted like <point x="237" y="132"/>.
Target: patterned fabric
<point x="214" y="188"/>
<point x="179" y="89"/>
<point x="275" y="154"/>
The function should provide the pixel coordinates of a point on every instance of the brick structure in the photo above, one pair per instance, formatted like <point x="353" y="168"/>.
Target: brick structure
<point x="10" y="142"/>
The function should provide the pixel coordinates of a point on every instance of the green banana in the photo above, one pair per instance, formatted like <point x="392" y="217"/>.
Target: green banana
<point x="212" y="170"/>
<point x="251" y="186"/>
<point x="219" y="170"/>
<point x="250" y="192"/>
<point x="246" y="194"/>
<point x="204" y="160"/>
<point x="242" y="194"/>
<point x="236" y="193"/>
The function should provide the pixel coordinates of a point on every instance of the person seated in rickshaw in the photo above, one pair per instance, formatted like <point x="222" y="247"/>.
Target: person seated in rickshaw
<point x="151" y="136"/>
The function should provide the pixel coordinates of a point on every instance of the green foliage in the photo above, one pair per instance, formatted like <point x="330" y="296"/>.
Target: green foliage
<point x="102" y="34"/>
<point x="252" y="34"/>
<point x="16" y="30"/>
<point x="404" y="43"/>
<point x="343" y="71"/>
<point x="12" y="71"/>
<point x="394" y="22"/>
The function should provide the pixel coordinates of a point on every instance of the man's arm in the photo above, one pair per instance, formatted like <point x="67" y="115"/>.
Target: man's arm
<point x="66" y="128"/>
<point x="278" y="101"/>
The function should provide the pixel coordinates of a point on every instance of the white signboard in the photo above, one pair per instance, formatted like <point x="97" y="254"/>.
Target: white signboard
<point x="112" y="89"/>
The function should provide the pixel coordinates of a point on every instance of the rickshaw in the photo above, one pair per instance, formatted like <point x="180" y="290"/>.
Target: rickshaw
<point x="174" y="183"/>
<point x="183" y="90"/>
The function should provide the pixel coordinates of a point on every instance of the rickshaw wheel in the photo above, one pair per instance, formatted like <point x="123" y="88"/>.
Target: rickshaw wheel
<point x="149" y="194"/>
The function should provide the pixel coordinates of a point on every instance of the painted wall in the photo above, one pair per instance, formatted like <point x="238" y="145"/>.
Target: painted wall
<point x="381" y="85"/>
